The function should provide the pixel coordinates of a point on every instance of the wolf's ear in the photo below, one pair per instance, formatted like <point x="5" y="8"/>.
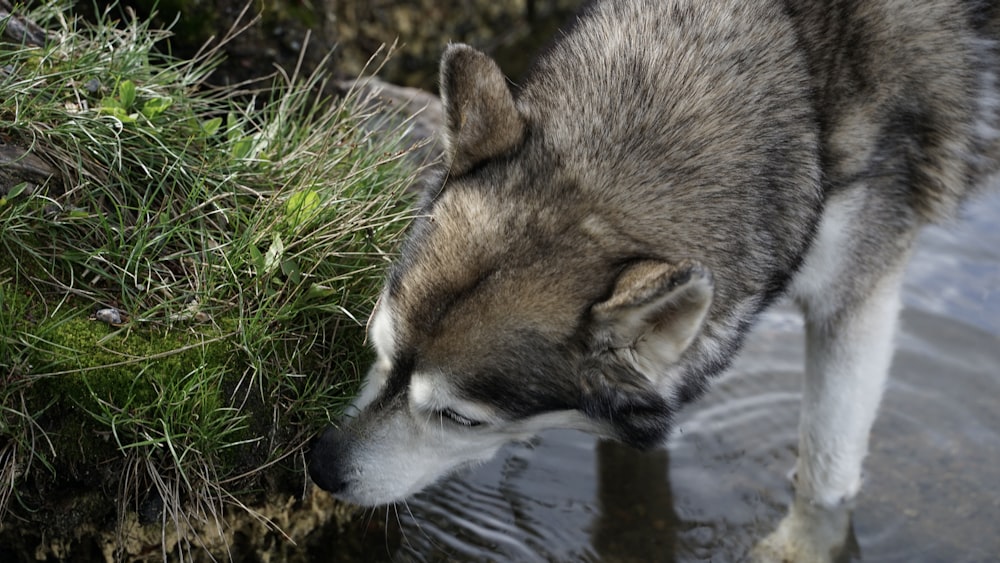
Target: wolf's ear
<point x="654" y="313"/>
<point x="482" y="121"/>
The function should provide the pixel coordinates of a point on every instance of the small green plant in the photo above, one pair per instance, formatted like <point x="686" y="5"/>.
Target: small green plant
<point x="182" y="303"/>
<point x="124" y="107"/>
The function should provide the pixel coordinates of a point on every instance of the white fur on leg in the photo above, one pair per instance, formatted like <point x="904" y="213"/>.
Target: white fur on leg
<point x="847" y="364"/>
<point x="849" y="346"/>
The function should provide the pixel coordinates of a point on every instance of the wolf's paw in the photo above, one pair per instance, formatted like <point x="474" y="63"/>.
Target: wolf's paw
<point x="785" y="546"/>
<point x="807" y="534"/>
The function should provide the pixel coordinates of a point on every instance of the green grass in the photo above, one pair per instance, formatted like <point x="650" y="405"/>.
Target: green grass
<point x="242" y="237"/>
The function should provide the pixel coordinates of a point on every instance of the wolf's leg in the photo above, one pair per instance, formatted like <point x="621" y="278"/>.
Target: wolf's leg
<point x="848" y="352"/>
<point x="849" y="291"/>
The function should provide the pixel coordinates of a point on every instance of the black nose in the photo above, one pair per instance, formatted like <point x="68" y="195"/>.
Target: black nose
<point x="326" y="461"/>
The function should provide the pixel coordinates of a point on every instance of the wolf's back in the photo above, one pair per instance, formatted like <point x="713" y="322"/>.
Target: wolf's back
<point x="906" y="94"/>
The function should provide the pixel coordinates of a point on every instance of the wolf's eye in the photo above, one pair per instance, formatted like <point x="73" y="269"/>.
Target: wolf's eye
<point x="457" y="418"/>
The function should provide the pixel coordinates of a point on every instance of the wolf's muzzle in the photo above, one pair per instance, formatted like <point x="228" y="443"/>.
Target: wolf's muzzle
<point x="325" y="461"/>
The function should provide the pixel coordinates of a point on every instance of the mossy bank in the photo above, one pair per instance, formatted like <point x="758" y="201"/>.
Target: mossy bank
<point x="185" y="273"/>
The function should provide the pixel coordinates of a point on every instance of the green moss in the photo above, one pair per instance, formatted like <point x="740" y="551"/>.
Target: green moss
<point x="92" y="382"/>
<point x="116" y="363"/>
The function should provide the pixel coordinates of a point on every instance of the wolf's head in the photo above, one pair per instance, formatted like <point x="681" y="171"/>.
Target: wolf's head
<point x="518" y="304"/>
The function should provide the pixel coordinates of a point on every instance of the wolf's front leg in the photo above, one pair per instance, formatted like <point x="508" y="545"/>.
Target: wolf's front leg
<point x="848" y="352"/>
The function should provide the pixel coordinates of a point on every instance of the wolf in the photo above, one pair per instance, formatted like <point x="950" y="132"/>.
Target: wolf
<point x="602" y="236"/>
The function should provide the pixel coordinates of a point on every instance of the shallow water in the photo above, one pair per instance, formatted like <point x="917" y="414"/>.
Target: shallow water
<point x="932" y="490"/>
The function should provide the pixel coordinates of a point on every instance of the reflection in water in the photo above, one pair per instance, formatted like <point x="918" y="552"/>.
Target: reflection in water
<point x="930" y="493"/>
<point x="636" y="505"/>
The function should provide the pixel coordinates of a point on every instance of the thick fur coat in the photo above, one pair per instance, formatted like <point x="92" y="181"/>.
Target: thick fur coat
<point x="603" y="235"/>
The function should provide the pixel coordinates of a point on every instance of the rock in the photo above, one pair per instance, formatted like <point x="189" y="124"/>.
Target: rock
<point x="18" y="30"/>
<point x="21" y="169"/>
<point x="418" y="112"/>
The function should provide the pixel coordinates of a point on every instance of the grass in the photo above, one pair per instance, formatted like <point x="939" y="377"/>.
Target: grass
<point x="182" y="301"/>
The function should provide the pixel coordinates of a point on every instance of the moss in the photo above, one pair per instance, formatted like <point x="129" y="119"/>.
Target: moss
<point x="100" y="390"/>
<point x="89" y="381"/>
<point x="124" y="361"/>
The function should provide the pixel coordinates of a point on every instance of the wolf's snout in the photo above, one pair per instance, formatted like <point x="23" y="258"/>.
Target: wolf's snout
<point x="325" y="466"/>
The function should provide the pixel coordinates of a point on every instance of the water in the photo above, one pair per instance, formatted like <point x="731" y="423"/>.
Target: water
<point x="932" y="490"/>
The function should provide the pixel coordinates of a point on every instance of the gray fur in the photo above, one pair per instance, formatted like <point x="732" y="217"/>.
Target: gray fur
<point x="605" y="234"/>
